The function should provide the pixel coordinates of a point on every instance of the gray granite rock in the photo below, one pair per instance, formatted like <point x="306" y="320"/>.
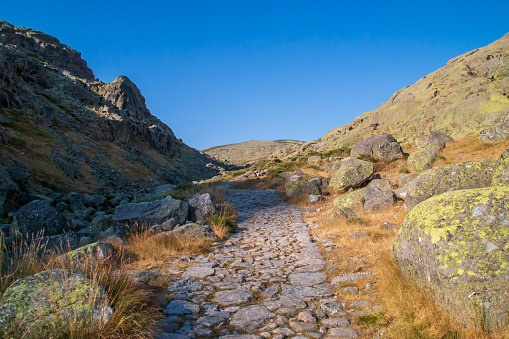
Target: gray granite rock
<point x="251" y="318"/>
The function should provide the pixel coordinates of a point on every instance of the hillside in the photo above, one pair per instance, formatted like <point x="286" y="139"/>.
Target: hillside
<point x="251" y="151"/>
<point x="469" y="93"/>
<point x="74" y="132"/>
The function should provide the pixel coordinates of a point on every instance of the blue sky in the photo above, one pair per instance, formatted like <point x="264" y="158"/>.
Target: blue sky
<point x="220" y="72"/>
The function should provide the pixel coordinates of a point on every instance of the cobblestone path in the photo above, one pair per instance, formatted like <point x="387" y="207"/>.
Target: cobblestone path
<point x="266" y="281"/>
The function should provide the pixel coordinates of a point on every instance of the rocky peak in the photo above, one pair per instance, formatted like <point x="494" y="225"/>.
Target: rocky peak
<point x="126" y="96"/>
<point x="45" y="47"/>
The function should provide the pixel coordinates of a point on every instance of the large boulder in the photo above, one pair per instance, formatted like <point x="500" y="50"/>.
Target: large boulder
<point x="201" y="207"/>
<point x="383" y="147"/>
<point x="377" y="199"/>
<point x="494" y="134"/>
<point x="39" y="304"/>
<point x="352" y="173"/>
<point x="447" y="178"/>
<point x="455" y="245"/>
<point x="9" y="193"/>
<point x="151" y="213"/>
<point x="423" y="159"/>
<point x="353" y="199"/>
<point x="302" y="189"/>
<point x="39" y="216"/>
<point x="434" y="138"/>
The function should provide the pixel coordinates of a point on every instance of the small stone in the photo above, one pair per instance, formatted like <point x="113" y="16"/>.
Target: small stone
<point x="284" y="331"/>
<point x="369" y="286"/>
<point x="232" y="297"/>
<point x="335" y="322"/>
<point x="388" y="226"/>
<point x="202" y="332"/>
<point x="359" y="235"/>
<point x="249" y="319"/>
<point x="181" y="307"/>
<point x="302" y="327"/>
<point x="232" y="309"/>
<point x="306" y="317"/>
<point x="332" y="307"/>
<point x="209" y="321"/>
<point x="198" y="272"/>
<point x="307" y="279"/>
<point x="359" y="304"/>
<point x="343" y="332"/>
<point x="287" y="311"/>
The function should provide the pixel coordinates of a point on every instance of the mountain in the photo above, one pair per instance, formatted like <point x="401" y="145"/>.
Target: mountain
<point x="71" y="131"/>
<point x="251" y="151"/>
<point x="469" y="93"/>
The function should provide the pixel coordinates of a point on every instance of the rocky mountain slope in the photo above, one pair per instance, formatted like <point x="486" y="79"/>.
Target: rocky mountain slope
<point x="469" y="93"/>
<point x="251" y="151"/>
<point x="71" y="131"/>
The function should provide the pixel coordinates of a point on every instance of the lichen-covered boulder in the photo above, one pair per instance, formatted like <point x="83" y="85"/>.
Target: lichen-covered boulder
<point x="501" y="173"/>
<point x="423" y="159"/>
<point x="302" y="189"/>
<point x="40" y="303"/>
<point x="353" y="199"/>
<point x="383" y="147"/>
<point x="456" y="245"/>
<point x="151" y="213"/>
<point x="351" y="174"/>
<point x="39" y="216"/>
<point x="377" y="199"/>
<point x="447" y="178"/>
<point x="201" y="207"/>
<point x="494" y="134"/>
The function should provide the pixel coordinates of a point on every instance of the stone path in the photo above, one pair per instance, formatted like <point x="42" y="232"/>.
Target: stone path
<point x="266" y="281"/>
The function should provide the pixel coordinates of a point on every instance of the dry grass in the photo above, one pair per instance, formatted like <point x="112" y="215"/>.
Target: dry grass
<point x="467" y="149"/>
<point x="224" y="223"/>
<point x="145" y="247"/>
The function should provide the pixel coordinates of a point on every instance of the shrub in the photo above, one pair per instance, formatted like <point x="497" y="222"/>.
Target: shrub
<point x="403" y="170"/>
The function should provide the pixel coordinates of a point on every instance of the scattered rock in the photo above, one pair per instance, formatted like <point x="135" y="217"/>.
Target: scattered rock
<point x="302" y="189"/>
<point x="39" y="216"/>
<point x="377" y="199"/>
<point x="383" y="147"/>
<point x="351" y="200"/>
<point x="450" y="177"/>
<point x="352" y="174"/>
<point x="232" y="297"/>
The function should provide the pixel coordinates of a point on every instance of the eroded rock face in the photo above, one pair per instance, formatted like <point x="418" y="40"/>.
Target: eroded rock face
<point x="352" y="173"/>
<point x="302" y="189"/>
<point x="450" y="177"/>
<point x="46" y="300"/>
<point x="456" y="245"/>
<point x="383" y="147"/>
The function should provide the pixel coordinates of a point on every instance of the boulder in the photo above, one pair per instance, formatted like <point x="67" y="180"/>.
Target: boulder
<point x="95" y="201"/>
<point x="150" y="213"/>
<point x="450" y="177"/>
<point x="90" y="255"/>
<point x="100" y="222"/>
<point x="423" y="159"/>
<point x="41" y="303"/>
<point x="377" y="199"/>
<point x="382" y="184"/>
<point x="39" y="216"/>
<point x="455" y="245"/>
<point x="9" y="193"/>
<point x="201" y="207"/>
<point x="18" y="172"/>
<point x="434" y="138"/>
<point x="193" y="230"/>
<point x="383" y="147"/>
<point x="405" y="178"/>
<point x="352" y="173"/>
<point x="302" y="189"/>
<point x="494" y="134"/>
<point x="353" y="199"/>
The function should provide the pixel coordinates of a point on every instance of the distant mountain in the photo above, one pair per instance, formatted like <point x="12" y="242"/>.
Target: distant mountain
<point x="74" y="132"/>
<point x="251" y="151"/>
<point x="469" y="93"/>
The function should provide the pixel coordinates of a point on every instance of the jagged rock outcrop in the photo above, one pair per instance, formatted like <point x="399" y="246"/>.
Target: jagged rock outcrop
<point x="73" y="132"/>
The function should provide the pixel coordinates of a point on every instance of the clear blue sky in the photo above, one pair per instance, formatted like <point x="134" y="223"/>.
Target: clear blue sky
<point x="220" y="72"/>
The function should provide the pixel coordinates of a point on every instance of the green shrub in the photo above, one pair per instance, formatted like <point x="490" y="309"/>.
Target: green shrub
<point x="403" y="170"/>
